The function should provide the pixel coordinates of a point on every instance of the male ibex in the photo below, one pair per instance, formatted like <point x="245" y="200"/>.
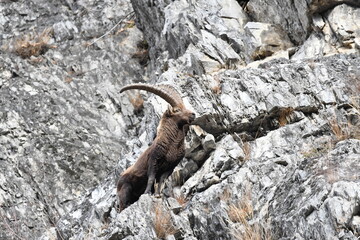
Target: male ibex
<point x="161" y="157"/>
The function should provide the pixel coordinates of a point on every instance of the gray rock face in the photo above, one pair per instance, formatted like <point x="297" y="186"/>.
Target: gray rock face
<point x="322" y="5"/>
<point x="289" y="171"/>
<point x="212" y="27"/>
<point x="268" y="39"/>
<point x="293" y="16"/>
<point x="273" y="153"/>
<point x="290" y="15"/>
<point x="61" y="131"/>
<point x="336" y="30"/>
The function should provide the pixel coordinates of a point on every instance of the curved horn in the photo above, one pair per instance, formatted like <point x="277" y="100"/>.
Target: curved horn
<point x="167" y="92"/>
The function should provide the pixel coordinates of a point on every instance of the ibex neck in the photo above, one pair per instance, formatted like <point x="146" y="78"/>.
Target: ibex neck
<point x="169" y="131"/>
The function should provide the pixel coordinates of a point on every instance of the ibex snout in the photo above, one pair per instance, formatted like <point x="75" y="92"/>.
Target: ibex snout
<point x="192" y="117"/>
<point x="185" y="116"/>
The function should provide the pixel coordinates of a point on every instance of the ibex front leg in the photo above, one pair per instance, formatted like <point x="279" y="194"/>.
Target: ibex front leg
<point x="156" y="155"/>
<point x="161" y="183"/>
<point x="151" y="178"/>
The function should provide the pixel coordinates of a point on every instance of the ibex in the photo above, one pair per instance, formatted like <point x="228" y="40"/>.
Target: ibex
<point x="161" y="157"/>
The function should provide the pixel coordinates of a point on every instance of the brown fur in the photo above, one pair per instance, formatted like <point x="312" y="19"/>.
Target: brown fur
<point x="159" y="159"/>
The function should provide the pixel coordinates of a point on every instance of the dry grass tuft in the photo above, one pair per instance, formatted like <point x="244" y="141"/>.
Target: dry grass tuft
<point x="181" y="199"/>
<point x="317" y="151"/>
<point x="163" y="223"/>
<point x="68" y="79"/>
<point x="247" y="150"/>
<point x="216" y="85"/>
<point x="252" y="232"/>
<point x="284" y="115"/>
<point x="241" y="212"/>
<point x="137" y="101"/>
<point x="344" y="130"/>
<point x="142" y="53"/>
<point x="33" y="45"/>
<point x="355" y="103"/>
<point x="340" y="132"/>
<point x="128" y="24"/>
<point x="225" y="196"/>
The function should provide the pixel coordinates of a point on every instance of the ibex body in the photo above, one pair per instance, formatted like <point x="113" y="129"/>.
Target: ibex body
<point x="161" y="157"/>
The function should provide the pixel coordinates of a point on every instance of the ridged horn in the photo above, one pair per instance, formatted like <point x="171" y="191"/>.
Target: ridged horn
<point x="167" y="92"/>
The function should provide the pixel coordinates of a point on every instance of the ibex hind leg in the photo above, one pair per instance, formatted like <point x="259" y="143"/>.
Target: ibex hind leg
<point x="124" y="194"/>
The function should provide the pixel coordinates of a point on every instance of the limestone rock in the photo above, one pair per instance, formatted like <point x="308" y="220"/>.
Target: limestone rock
<point x="290" y="15"/>
<point x="273" y="153"/>
<point x="268" y="39"/>
<point x="337" y="30"/>
<point x="343" y="20"/>
<point x="323" y="5"/>
<point x="64" y="30"/>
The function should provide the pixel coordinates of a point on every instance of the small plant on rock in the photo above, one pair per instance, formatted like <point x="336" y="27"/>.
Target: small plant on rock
<point x="163" y="223"/>
<point x="216" y="85"/>
<point x="284" y="115"/>
<point x="181" y="199"/>
<point x="247" y="150"/>
<point x="33" y="45"/>
<point x="340" y="131"/>
<point x="137" y="101"/>
<point x="142" y="53"/>
<point x="242" y="214"/>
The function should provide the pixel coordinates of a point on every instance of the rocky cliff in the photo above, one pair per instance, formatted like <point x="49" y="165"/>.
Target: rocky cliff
<point x="273" y="154"/>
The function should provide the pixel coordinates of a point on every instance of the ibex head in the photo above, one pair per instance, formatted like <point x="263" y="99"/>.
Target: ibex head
<point x="177" y="112"/>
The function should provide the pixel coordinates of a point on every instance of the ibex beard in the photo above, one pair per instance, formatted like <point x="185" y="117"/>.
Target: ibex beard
<point x="163" y="155"/>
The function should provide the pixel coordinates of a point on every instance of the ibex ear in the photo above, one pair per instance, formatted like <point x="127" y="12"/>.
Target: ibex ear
<point x="169" y="111"/>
